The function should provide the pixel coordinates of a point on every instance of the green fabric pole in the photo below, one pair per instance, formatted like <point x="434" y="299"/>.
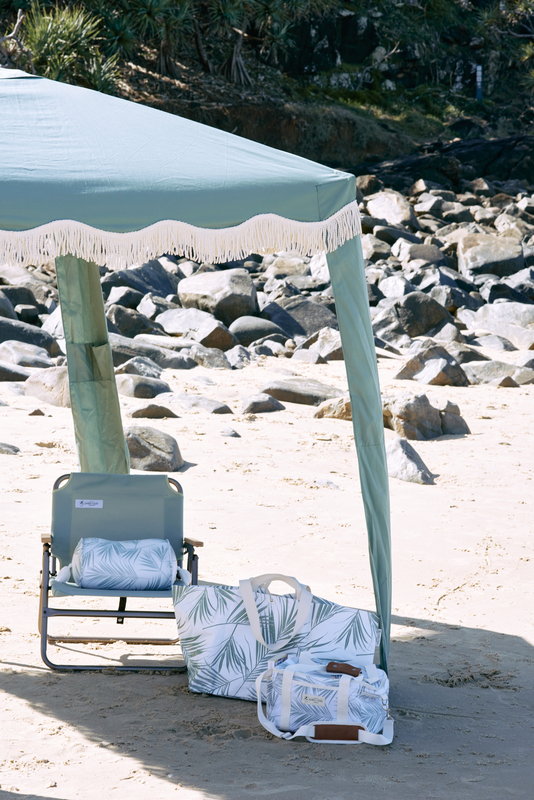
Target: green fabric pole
<point x="348" y="282"/>
<point x="93" y="391"/>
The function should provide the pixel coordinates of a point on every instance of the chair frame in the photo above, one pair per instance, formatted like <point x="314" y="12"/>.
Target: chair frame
<point x="49" y="570"/>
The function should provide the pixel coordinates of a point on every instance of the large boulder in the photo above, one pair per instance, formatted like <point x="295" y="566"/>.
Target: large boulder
<point x="392" y="207"/>
<point x="11" y="372"/>
<point x="249" y="329"/>
<point x="411" y="416"/>
<point x="140" y="386"/>
<point x="238" y="357"/>
<point x="13" y="330"/>
<point x="339" y="408"/>
<point x="405" y="464"/>
<point x="213" y="333"/>
<point x="6" y="307"/>
<point x="408" y="251"/>
<point x="432" y="364"/>
<point x="513" y="321"/>
<point x="328" y="345"/>
<point x="261" y="403"/>
<point x="227" y="294"/>
<point x="182" y="321"/>
<point x="209" y="357"/>
<point x="418" y="313"/>
<point x="298" y="316"/>
<point x="140" y="365"/>
<point x="153" y="450"/>
<point x="479" y="254"/>
<point x="130" y="322"/>
<point x="124" y="296"/>
<point x="50" y="385"/>
<point x="25" y="355"/>
<point x="489" y="371"/>
<point x="123" y="349"/>
<point x="300" y="390"/>
<point x="150" y="277"/>
<point x="285" y="266"/>
<point x="373" y="248"/>
<point x="189" y="401"/>
<point x="151" y="305"/>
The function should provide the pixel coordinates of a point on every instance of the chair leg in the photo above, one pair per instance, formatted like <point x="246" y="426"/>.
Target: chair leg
<point x="122" y="607"/>
<point x="194" y="570"/>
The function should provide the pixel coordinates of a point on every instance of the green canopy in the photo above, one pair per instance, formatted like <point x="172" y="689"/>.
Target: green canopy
<point x="90" y="179"/>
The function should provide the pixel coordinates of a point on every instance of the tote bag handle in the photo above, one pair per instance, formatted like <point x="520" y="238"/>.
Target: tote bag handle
<point x="303" y="596"/>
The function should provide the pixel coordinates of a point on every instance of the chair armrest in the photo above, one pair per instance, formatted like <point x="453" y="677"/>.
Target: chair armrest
<point x="46" y="538"/>
<point x="193" y="542"/>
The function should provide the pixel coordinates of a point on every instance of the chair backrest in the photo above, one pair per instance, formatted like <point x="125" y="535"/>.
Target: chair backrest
<point x="116" y="507"/>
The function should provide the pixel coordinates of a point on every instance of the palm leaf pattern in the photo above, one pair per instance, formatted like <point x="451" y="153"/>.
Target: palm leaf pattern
<point x="137" y="565"/>
<point x="222" y="654"/>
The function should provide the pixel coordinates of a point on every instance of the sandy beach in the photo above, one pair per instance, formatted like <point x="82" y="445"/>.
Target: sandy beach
<point x="284" y="497"/>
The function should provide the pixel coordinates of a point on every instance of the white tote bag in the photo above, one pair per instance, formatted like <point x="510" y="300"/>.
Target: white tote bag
<point x="335" y="702"/>
<point x="228" y="634"/>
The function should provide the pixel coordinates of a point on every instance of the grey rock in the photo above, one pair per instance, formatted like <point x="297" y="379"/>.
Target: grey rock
<point x="260" y="350"/>
<point x="525" y="360"/>
<point x="339" y="408"/>
<point x="308" y="356"/>
<point x="505" y="382"/>
<point x="444" y="404"/>
<point x="50" y="385"/>
<point x="432" y="364"/>
<point x="260" y="403"/>
<point x="12" y="372"/>
<point x="367" y="184"/>
<point x="177" y="344"/>
<point x="396" y="286"/>
<point x="387" y="326"/>
<point x="6" y="307"/>
<point x="328" y="345"/>
<point x="189" y="401"/>
<point x="429" y="205"/>
<point x="27" y="296"/>
<point x="411" y="416"/>
<point x="445" y="332"/>
<point x="230" y="433"/>
<point x="152" y="450"/>
<point x="123" y="349"/>
<point x="452" y="298"/>
<point x="15" y="387"/>
<point x="464" y="354"/>
<point x="284" y="266"/>
<point x="494" y="290"/>
<point x="124" y="296"/>
<point x="227" y="294"/>
<point x="523" y="376"/>
<point x="482" y="253"/>
<point x="151" y="305"/>
<point x="408" y="251"/>
<point x="373" y="248"/>
<point x="494" y="342"/>
<point x="455" y="212"/>
<point x="153" y="411"/>
<point x="513" y="321"/>
<point x="139" y="386"/>
<point x="418" y="313"/>
<point x="453" y="424"/>
<point x="150" y="277"/>
<point x="27" y="313"/>
<point x="129" y="322"/>
<point x="392" y="207"/>
<point x="14" y="330"/>
<point x="209" y="357"/>
<point x="390" y="235"/>
<point x="181" y="321"/>
<point x="140" y="365"/>
<point x="238" y="357"/>
<point x="487" y="371"/>
<point x="298" y="316"/>
<point x="249" y="329"/>
<point x="8" y="449"/>
<point x="25" y="355"/>
<point x="374" y="295"/>
<point x="212" y="333"/>
<point x="405" y="464"/>
<point x="300" y="390"/>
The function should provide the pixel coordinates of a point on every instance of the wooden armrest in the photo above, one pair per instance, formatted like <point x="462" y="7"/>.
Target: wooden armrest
<point x="46" y="538"/>
<point x="193" y="542"/>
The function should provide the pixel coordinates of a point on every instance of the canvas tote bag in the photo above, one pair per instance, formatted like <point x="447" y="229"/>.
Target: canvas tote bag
<point x="228" y="634"/>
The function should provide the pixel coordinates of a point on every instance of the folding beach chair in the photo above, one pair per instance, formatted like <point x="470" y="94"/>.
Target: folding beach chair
<point x="127" y="507"/>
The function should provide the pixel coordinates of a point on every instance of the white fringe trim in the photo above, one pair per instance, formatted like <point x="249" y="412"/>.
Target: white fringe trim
<point x="266" y="233"/>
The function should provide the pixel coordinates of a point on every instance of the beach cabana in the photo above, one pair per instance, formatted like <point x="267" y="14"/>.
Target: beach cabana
<point x="88" y="179"/>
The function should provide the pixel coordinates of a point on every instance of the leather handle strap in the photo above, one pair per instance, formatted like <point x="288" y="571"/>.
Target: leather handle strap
<point x="341" y="733"/>
<point x="343" y="669"/>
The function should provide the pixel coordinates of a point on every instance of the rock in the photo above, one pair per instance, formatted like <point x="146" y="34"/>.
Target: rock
<point x="391" y="235"/>
<point x="505" y="382"/>
<point x="367" y="184"/>
<point x="14" y="330"/>
<point x="396" y="286"/>
<point x="428" y="204"/>
<point x="249" y="329"/>
<point x="495" y="291"/>
<point x="214" y="334"/>
<point x="150" y="277"/>
<point x="139" y="365"/>
<point x="374" y="249"/>
<point x="50" y="385"/>
<point x="175" y="343"/>
<point x="193" y="401"/>
<point x="298" y="316"/>
<point x="487" y="371"/>
<point x="494" y="342"/>
<point x="513" y="321"/>
<point x="411" y="416"/>
<point x="124" y="296"/>
<point x="418" y="313"/>
<point x="151" y="305"/>
<point x="139" y="386"/>
<point x="11" y="372"/>
<point x="8" y="449"/>
<point x="182" y="321"/>
<point x="238" y="357"/>
<point x="27" y="313"/>
<point x="284" y="266"/>
<point x="392" y="207"/>
<point x="300" y="390"/>
<point x="482" y="253"/>
<point x="230" y="433"/>
<point x="464" y="354"/>
<point x="408" y="251"/>
<point x="445" y="332"/>
<point x="387" y="327"/>
<point x="153" y="411"/>
<point x="374" y="295"/>
<point x="129" y="322"/>
<point x="260" y="403"/>
<point x="453" y="424"/>
<point x="227" y="295"/>
<point x="6" y="307"/>
<point x="25" y="355"/>
<point x="123" y="349"/>
<point x="523" y="376"/>
<point x="405" y="464"/>
<point x="328" y="345"/>
<point x="452" y="298"/>
<point x="335" y="409"/>
<point x="152" y="450"/>
<point x="432" y="364"/>
<point x="26" y="295"/>
<point x="209" y="357"/>
<point x="308" y="356"/>
<point x="525" y="360"/>
<point x="455" y="212"/>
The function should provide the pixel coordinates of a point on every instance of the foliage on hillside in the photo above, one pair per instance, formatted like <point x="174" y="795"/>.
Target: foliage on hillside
<point x="410" y="60"/>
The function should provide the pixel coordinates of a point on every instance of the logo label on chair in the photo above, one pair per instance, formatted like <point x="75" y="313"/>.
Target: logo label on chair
<point x="312" y="699"/>
<point x="89" y="504"/>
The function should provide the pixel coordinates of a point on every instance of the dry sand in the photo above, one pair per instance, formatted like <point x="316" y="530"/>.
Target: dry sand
<point x="462" y="652"/>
